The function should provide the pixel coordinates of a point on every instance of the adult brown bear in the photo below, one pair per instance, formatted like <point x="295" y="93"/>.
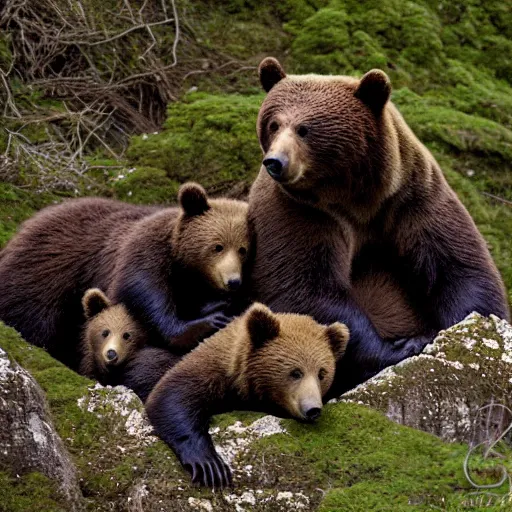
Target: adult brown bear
<point x="354" y="222"/>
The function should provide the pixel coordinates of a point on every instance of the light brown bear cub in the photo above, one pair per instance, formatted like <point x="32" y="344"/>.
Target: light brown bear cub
<point x="282" y="364"/>
<point x="110" y="339"/>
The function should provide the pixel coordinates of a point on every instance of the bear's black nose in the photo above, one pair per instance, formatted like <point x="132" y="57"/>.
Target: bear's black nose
<point x="234" y="284"/>
<point x="111" y="355"/>
<point x="276" y="166"/>
<point x="313" y="413"/>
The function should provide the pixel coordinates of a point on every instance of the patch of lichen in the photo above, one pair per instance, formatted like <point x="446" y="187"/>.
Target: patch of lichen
<point x="21" y="493"/>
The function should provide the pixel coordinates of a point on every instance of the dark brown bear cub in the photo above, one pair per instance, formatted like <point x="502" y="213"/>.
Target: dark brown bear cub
<point x="110" y="339"/>
<point x="355" y="222"/>
<point x="282" y="364"/>
<point x="177" y="271"/>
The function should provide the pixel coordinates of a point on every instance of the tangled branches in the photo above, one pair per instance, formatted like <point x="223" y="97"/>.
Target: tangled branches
<point x="91" y="72"/>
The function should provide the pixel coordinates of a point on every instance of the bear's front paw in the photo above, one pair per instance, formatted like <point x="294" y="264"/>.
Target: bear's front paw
<point x="218" y="320"/>
<point x="206" y="467"/>
<point x="412" y="346"/>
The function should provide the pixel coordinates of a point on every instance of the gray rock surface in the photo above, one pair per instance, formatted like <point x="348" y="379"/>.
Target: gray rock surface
<point x="28" y="439"/>
<point x="456" y="388"/>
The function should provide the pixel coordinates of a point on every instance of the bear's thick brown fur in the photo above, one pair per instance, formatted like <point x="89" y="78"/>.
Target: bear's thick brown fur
<point x="354" y="221"/>
<point x="110" y="339"/>
<point x="174" y="269"/>
<point x="281" y="364"/>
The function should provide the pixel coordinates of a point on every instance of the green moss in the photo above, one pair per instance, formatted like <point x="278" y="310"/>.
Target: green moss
<point x="145" y="185"/>
<point x="207" y="138"/>
<point x="24" y="492"/>
<point x="362" y="462"/>
<point x="16" y="205"/>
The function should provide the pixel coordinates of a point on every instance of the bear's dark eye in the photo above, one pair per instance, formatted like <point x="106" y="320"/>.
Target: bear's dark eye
<point x="296" y="374"/>
<point x="126" y="336"/>
<point x="321" y="374"/>
<point x="242" y="251"/>
<point x="273" y="126"/>
<point x="219" y="248"/>
<point x="105" y="333"/>
<point x="302" y="130"/>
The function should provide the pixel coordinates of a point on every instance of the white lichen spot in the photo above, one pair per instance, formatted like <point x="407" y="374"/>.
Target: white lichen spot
<point x="492" y="344"/>
<point x="475" y="366"/>
<point x="200" y="504"/>
<point x="38" y="427"/>
<point x="229" y="448"/>
<point x="120" y="401"/>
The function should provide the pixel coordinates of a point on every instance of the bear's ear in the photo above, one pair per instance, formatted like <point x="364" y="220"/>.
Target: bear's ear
<point x="262" y="324"/>
<point x="374" y="90"/>
<point x="270" y="72"/>
<point x="94" y="301"/>
<point x="193" y="199"/>
<point x="338" y="336"/>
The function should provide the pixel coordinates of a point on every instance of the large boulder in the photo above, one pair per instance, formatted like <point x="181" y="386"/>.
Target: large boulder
<point x="458" y="389"/>
<point x="28" y="440"/>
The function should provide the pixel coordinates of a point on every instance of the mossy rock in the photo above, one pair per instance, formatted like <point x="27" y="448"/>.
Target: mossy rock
<point x="354" y="458"/>
<point x="443" y="390"/>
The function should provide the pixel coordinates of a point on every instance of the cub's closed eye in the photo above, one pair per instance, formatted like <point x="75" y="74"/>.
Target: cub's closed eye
<point x="296" y="374"/>
<point x="321" y="374"/>
<point x="302" y="130"/>
<point x="219" y="248"/>
<point x="242" y="251"/>
<point x="273" y="126"/>
<point x="105" y="333"/>
<point x="126" y="336"/>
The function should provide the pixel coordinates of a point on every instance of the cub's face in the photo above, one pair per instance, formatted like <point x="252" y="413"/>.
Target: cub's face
<point x="317" y="130"/>
<point x="212" y="237"/>
<point x="111" y="333"/>
<point x="293" y="360"/>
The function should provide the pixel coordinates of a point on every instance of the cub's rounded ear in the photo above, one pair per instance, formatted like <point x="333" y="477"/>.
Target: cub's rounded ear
<point x="270" y="72"/>
<point x="262" y="325"/>
<point x="338" y="336"/>
<point x="193" y="199"/>
<point x="374" y="90"/>
<point x="94" y="301"/>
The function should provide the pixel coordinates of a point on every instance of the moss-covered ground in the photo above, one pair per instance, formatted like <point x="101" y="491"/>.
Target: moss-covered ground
<point x="353" y="459"/>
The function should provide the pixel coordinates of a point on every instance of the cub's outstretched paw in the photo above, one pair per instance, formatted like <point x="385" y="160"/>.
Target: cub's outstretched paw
<point x="207" y="468"/>
<point x="219" y="320"/>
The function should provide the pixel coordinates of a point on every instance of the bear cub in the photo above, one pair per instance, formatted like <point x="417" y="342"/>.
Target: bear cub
<point x="110" y="339"/>
<point x="282" y="364"/>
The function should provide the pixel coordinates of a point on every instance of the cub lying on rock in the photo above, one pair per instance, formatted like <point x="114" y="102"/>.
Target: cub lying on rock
<point x="282" y="364"/>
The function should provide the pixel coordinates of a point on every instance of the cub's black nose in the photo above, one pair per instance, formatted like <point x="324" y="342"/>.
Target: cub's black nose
<point x="234" y="284"/>
<point x="111" y="355"/>
<point x="276" y="166"/>
<point x="313" y="413"/>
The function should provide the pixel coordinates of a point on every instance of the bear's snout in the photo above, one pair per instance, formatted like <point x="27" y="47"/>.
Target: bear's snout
<point x="277" y="166"/>
<point x="111" y="355"/>
<point x="313" y="414"/>
<point x="234" y="284"/>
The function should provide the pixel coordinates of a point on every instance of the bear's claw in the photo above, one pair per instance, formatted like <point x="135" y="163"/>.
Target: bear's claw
<point x="212" y="471"/>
